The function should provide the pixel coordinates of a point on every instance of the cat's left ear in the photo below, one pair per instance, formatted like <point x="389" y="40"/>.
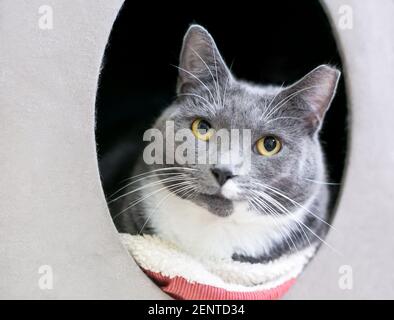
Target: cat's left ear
<point x="200" y="62"/>
<point x="316" y="90"/>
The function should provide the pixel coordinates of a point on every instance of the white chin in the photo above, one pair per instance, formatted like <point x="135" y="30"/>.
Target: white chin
<point x="230" y="190"/>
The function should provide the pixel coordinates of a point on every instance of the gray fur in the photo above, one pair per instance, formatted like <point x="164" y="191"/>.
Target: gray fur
<point x="294" y="170"/>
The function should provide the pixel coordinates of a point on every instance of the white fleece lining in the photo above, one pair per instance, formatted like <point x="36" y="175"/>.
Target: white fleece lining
<point x="159" y="256"/>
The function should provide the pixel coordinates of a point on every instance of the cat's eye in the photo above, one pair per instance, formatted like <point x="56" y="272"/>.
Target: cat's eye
<point x="202" y="129"/>
<point x="268" y="146"/>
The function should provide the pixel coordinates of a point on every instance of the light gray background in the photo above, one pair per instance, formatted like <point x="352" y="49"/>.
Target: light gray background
<point x="364" y="221"/>
<point x="52" y="206"/>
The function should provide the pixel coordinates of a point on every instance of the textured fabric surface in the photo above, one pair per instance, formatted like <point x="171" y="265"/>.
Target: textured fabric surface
<point x="181" y="289"/>
<point x="184" y="276"/>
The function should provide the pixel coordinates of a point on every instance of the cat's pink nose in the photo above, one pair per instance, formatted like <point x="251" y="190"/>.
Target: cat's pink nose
<point x="221" y="175"/>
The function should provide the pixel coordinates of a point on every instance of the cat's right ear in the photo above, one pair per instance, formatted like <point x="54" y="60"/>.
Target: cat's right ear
<point x="200" y="62"/>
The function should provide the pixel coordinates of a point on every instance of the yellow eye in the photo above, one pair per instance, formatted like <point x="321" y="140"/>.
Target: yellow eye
<point x="268" y="146"/>
<point x="202" y="129"/>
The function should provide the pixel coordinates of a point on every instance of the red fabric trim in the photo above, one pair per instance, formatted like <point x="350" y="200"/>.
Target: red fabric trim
<point x="179" y="288"/>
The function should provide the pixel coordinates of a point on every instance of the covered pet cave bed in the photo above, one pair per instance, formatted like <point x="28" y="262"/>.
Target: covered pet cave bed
<point x="54" y="216"/>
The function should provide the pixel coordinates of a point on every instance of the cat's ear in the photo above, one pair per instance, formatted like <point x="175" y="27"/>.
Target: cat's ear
<point x="200" y="62"/>
<point x="316" y="91"/>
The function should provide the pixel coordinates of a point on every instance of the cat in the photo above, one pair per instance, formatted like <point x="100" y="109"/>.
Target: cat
<point x="276" y="207"/>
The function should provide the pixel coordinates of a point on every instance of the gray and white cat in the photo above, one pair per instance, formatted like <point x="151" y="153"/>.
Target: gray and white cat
<point x="276" y="207"/>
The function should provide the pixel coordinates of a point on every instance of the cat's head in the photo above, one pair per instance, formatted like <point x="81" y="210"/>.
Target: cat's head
<point x="283" y="154"/>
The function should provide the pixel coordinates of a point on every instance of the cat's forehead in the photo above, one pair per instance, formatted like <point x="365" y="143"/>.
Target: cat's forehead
<point x="248" y="102"/>
<point x="257" y="90"/>
<point x="251" y="95"/>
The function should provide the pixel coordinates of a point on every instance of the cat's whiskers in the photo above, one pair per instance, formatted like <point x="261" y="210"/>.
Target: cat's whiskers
<point x="314" y="234"/>
<point x="257" y="207"/>
<point x="187" y="188"/>
<point x="152" y="173"/>
<point x="284" y="211"/>
<point x="165" y="180"/>
<point x="274" y="205"/>
<point x="296" y="219"/>
<point x="302" y="226"/>
<point x="152" y="176"/>
<point x="145" y="197"/>
<point x="259" y="204"/>
<point x="281" y="194"/>
<point x="160" y="169"/>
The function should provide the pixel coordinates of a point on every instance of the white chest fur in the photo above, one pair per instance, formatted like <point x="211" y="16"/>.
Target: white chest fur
<point x="201" y="233"/>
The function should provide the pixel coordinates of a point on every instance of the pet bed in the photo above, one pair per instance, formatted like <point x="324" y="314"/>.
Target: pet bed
<point x="183" y="276"/>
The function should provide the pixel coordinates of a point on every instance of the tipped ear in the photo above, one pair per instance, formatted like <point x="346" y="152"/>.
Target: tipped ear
<point x="317" y="90"/>
<point x="200" y="61"/>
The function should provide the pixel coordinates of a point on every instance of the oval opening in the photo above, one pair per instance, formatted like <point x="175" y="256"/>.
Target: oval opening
<point x="272" y="43"/>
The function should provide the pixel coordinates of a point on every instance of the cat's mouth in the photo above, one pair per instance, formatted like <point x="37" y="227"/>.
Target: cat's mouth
<point x="229" y="191"/>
